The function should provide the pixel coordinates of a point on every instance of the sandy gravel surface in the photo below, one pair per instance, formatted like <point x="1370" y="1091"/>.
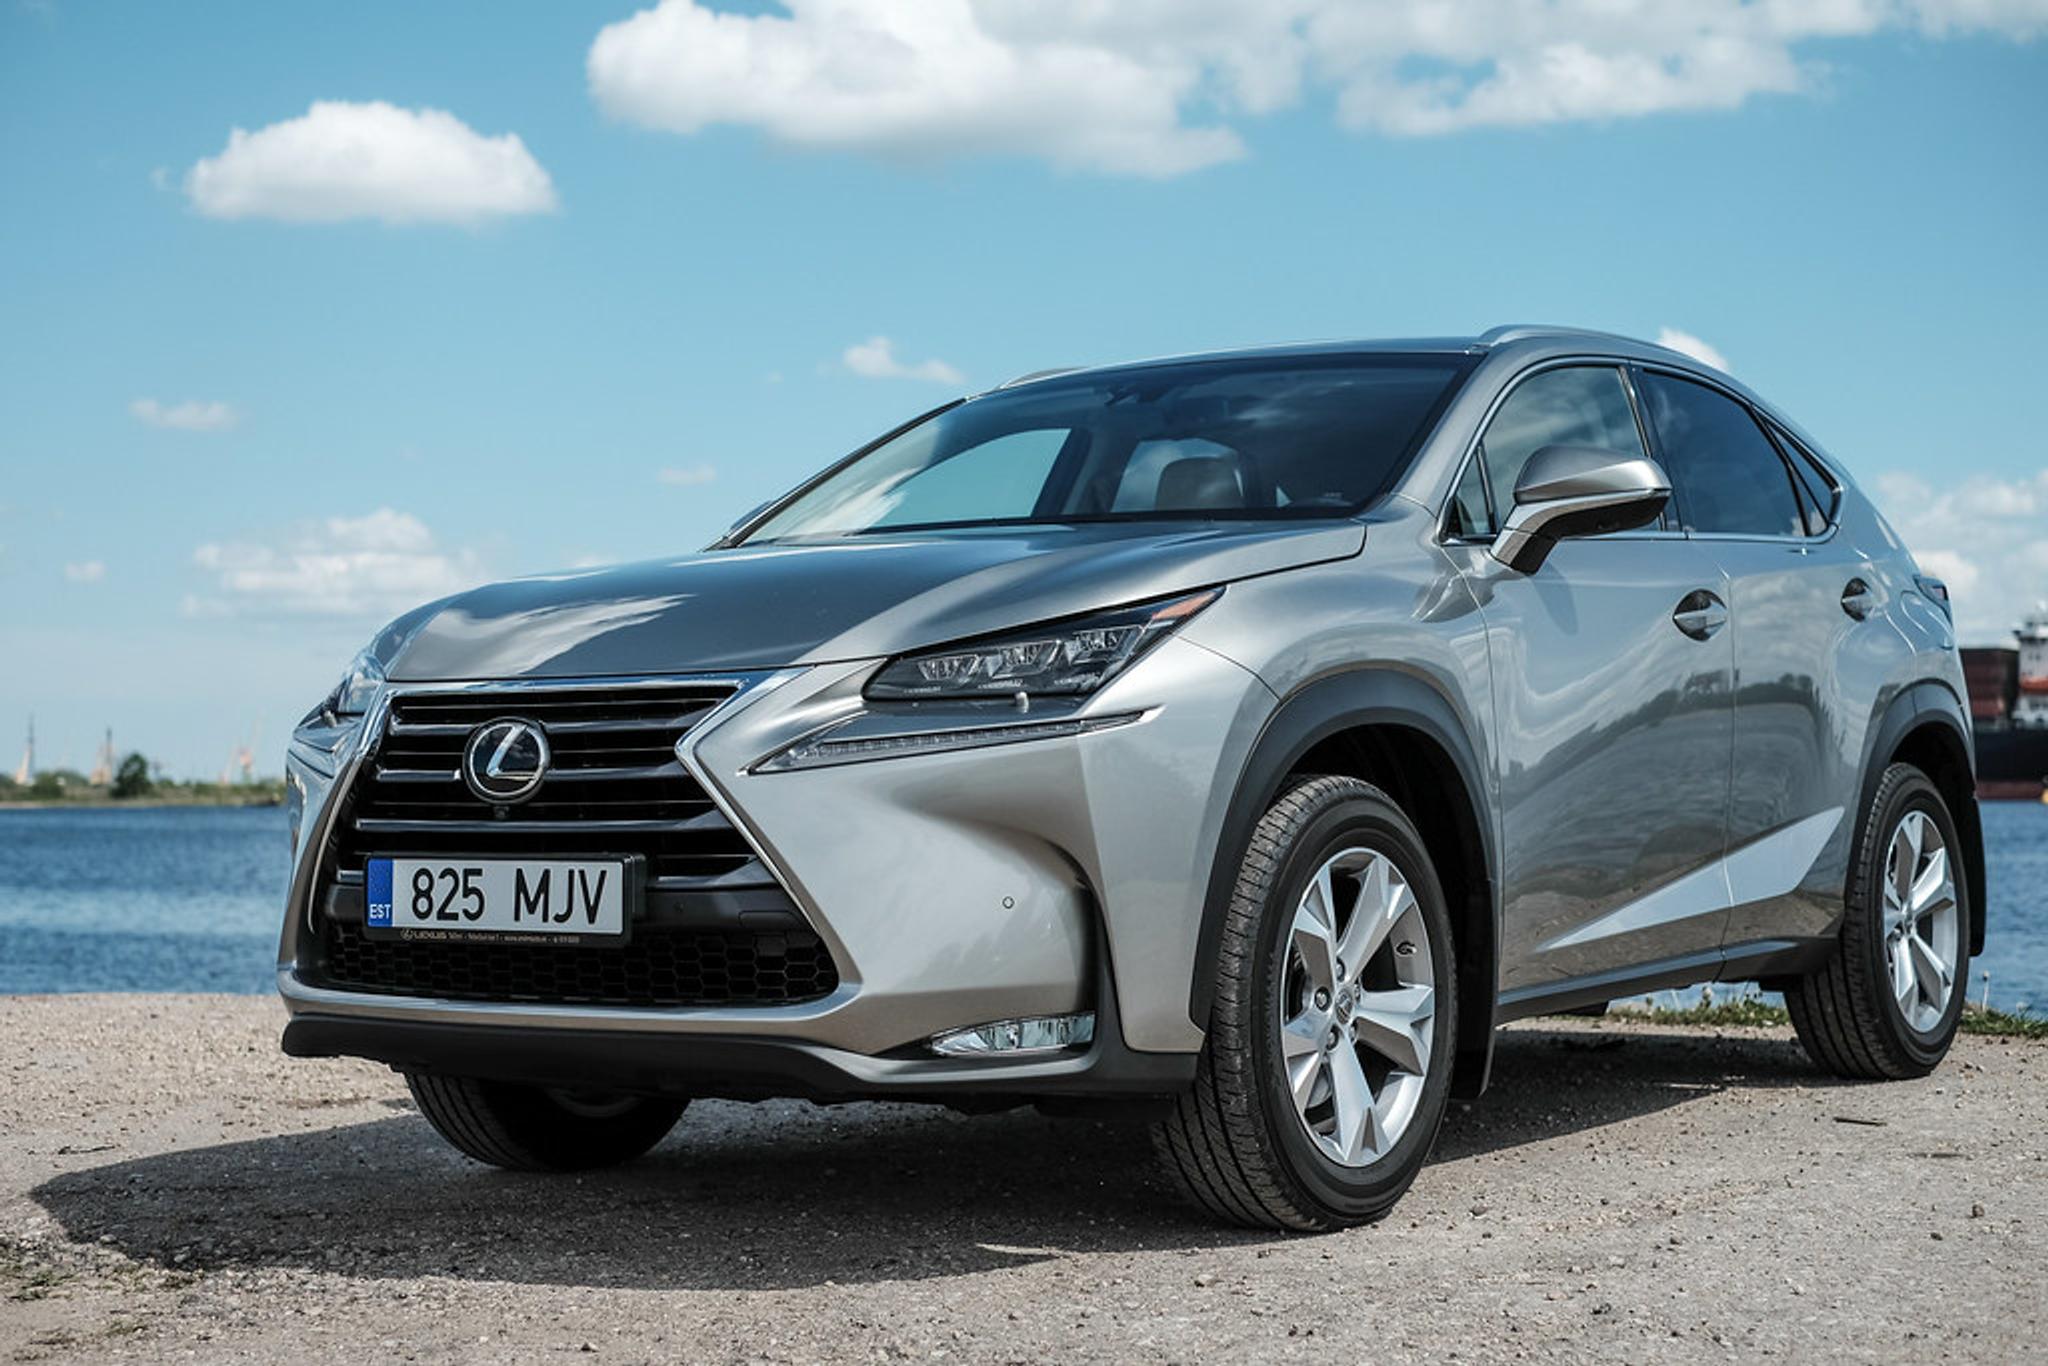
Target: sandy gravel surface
<point x="173" y="1188"/>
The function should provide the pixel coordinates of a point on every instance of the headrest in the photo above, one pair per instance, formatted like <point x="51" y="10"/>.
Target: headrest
<point x="1200" y="481"/>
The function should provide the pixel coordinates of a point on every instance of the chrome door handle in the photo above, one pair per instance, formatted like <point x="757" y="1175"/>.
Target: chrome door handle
<point x="1700" y="614"/>
<point x="1857" y="599"/>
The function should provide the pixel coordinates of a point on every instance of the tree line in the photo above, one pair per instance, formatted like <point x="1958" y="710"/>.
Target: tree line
<point x="135" y="778"/>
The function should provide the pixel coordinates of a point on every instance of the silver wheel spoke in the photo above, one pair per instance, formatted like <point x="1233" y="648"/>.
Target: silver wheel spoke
<point x="1352" y="1100"/>
<point x="1933" y="889"/>
<point x="1383" y="898"/>
<point x="1903" y="989"/>
<point x="1301" y="1050"/>
<point x="1314" y="938"/>
<point x="1894" y="907"/>
<point x="1905" y="854"/>
<point x="1396" y="1025"/>
<point x="1930" y="974"/>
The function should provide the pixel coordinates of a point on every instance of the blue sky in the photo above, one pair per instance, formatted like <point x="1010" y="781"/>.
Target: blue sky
<point x="254" y="408"/>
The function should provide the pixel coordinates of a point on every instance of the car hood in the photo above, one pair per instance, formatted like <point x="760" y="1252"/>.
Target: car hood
<point x="757" y="607"/>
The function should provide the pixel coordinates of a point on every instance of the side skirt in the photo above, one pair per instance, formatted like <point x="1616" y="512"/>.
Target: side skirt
<point x="1738" y="963"/>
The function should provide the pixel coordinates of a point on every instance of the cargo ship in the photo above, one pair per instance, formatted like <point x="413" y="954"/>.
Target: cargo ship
<point x="2009" y="711"/>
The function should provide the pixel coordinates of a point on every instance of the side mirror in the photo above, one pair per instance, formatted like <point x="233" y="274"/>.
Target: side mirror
<point x="1577" y="491"/>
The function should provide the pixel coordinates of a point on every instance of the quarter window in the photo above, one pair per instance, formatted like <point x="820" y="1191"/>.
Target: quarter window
<point x="1581" y="405"/>
<point x="1469" y="514"/>
<point x="1729" y="477"/>
<point x="1822" y="496"/>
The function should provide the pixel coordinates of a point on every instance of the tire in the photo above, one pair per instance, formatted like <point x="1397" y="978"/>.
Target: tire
<point x="1236" y="1144"/>
<point x="1849" y="1013"/>
<point x="539" y="1129"/>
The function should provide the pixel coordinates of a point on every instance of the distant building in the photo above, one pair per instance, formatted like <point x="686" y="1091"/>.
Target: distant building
<point x="2030" y="706"/>
<point x="1992" y="674"/>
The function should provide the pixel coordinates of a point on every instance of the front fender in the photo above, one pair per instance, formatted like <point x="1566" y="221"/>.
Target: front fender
<point x="1381" y="696"/>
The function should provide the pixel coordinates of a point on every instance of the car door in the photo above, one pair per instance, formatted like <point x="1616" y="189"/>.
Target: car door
<point x="1808" y="640"/>
<point x="1612" y="673"/>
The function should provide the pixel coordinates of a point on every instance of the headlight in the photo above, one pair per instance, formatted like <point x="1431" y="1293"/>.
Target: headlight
<point x="329" y="728"/>
<point x="1066" y="658"/>
<point x="358" y="687"/>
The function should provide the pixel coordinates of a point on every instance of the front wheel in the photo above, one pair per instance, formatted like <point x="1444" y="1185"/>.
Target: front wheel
<point x="1887" y="1004"/>
<point x="1327" y="1066"/>
<point x="541" y="1128"/>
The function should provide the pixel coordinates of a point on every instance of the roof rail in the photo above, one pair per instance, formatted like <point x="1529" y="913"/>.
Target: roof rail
<point x="1514" y="332"/>
<point x="1040" y="374"/>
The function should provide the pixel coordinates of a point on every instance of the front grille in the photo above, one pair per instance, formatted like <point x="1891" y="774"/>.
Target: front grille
<point x="614" y="786"/>
<point x="663" y="965"/>
<point x="715" y="928"/>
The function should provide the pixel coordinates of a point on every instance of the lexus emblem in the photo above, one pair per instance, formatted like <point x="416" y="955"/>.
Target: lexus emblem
<point x="505" y="760"/>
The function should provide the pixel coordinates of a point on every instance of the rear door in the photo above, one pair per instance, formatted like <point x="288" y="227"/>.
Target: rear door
<point x="1613" y="713"/>
<point x="1802" y="609"/>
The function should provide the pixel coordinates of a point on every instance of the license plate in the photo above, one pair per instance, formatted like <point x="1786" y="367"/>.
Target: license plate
<point x="495" y="898"/>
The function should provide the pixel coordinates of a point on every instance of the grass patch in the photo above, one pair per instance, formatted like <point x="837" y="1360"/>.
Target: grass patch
<point x="2004" y="1024"/>
<point x="1750" y="1012"/>
<point x="1744" y="1012"/>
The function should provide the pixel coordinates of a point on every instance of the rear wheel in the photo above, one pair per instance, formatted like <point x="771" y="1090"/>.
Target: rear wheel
<point x="1327" y="1066"/>
<point x="1888" y="1003"/>
<point x="538" y="1128"/>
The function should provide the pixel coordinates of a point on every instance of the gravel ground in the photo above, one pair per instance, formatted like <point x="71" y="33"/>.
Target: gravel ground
<point x="172" y="1187"/>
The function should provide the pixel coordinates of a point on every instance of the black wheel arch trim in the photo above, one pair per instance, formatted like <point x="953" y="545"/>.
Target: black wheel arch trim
<point x="1918" y="707"/>
<point x="1375" y="695"/>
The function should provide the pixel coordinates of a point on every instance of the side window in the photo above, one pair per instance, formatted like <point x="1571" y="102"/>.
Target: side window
<point x="1582" y="405"/>
<point x="1469" y="515"/>
<point x="1005" y="473"/>
<point x="1823" y="498"/>
<point x="1728" y="475"/>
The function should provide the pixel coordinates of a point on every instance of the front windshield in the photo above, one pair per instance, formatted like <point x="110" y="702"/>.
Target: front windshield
<point x="1275" y="437"/>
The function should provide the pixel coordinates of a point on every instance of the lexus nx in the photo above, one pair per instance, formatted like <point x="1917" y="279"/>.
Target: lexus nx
<point x="1242" y="737"/>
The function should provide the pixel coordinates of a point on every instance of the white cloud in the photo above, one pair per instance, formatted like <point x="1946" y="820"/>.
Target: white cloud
<point x="1155" y="87"/>
<point x="190" y="416"/>
<point x="85" y="571"/>
<point x="688" y="476"/>
<point x="1687" y="344"/>
<point x="1986" y="537"/>
<point x="379" y="564"/>
<point x="340" y="161"/>
<point x="875" y="358"/>
<point x="915" y="81"/>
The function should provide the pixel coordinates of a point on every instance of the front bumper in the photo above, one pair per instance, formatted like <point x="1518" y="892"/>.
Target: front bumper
<point x="953" y="888"/>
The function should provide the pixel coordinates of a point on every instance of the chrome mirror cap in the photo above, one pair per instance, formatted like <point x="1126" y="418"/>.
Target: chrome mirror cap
<point x="1577" y="491"/>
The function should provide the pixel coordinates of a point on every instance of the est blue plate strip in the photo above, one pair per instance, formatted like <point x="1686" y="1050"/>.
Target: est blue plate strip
<point x="378" y="893"/>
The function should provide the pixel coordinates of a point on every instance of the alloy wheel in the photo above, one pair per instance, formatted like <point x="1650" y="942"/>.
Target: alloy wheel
<point x="1357" y="1007"/>
<point x="1921" y="921"/>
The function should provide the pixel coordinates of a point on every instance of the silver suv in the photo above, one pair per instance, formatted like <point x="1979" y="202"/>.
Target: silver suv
<point x="1247" y="736"/>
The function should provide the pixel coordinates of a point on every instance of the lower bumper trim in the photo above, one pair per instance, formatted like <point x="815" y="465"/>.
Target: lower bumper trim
<point x="724" y="1066"/>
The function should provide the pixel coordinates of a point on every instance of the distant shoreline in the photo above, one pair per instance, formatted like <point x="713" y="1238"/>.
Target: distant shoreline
<point x="264" y="799"/>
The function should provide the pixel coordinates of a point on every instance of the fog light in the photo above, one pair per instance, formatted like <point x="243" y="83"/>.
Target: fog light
<point x="1040" y="1034"/>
